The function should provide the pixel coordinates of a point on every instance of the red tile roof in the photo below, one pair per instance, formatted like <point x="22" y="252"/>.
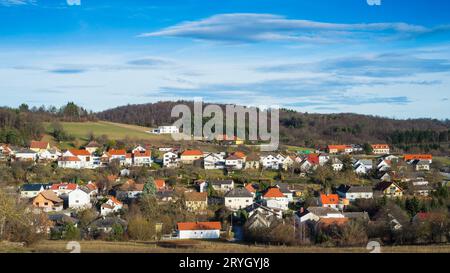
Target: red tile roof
<point x="199" y="226"/>
<point x="115" y="201"/>
<point x="338" y="147"/>
<point x="250" y="188"/>
<point x="239" y="154"/>
<point x="418" y="156"/>
<point x="313" y="159"/>
<point x="192" y="152"/>
<point x="329" y="199"/>
<point x="77" y="152"/>
<point x="380" y="146"/>
<point x="39" y="145"/>
<point x="273" y="193"/>
<point x="68" y="186"/>
<point x="70" y="158"/>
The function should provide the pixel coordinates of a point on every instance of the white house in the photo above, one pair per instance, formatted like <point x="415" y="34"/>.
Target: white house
<point x="222" y="185"/>
<point x="142" y="158"/>
<point x="50" y="155"/>
<point x="275" y="199"/>
<point x="214" y="161"/>
<point x="234" y="162"/>
<point x="316" y="213"/>
<point x="363" y="166"/>
<point x="199" y="230"/>
<point x="70" y="162"/>
<point x="336" y="164"/>
<point x="111" y="206"/>
<point x="170" y="160"/>
<point x="26" y="155"/>
<point x="238" y="199"/>
<point x="166" y="130"/>
<point x="79" y="199"/>
<point x="32" y="190"/>
<point x="270" y="162"/>
<point x="353" y="193"/>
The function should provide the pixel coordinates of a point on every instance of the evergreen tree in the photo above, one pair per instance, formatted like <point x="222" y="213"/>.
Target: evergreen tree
<point x="149" y="187"/>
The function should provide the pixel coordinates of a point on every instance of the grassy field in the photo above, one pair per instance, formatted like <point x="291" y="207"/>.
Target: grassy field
<point x="115" y="131"/>
<point x="443" y="160"/>
<point x="208" y="247"/>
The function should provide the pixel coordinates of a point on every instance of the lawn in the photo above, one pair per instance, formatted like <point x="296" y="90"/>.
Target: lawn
<point x="116" y="131"/>
<point x="210" y="246"/>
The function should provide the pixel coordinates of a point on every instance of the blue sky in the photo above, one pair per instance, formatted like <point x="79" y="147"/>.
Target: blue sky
<point x="317" y="56"/>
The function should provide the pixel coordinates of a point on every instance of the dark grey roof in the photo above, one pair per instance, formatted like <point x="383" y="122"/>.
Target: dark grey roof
<point x="357" y="215"/>
<point x="34" y="187"/>
<point x="239" y="192"/>
<point x="61" y="219"/>
<point x="221" y="182"/>
<point x="108" y="222"/>
<point x="354" y="189"/>
<point x="284" y="187"/>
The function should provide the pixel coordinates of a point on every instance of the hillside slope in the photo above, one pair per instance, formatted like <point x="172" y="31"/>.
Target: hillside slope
<point x="313" y="130"/>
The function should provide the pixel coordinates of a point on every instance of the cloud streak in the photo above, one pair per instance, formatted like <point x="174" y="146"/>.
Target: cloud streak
<point x="253" y="27"/>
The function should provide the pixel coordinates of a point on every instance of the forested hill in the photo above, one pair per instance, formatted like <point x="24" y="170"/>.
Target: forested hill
<point x="313" y="130"/>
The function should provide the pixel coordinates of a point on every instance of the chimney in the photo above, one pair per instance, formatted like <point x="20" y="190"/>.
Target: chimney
<point x="302" y="209"/>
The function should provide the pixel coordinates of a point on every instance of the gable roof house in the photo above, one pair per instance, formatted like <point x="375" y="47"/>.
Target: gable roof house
<point x="189" y="156"/>
<point x="63" y="188"/>
<point x="314" y="214"/>
<point x="339" y="149"/>
<point x="380" y="149"/>
<point x="32" y="190"/>
<point x="221" y="185"/>
<point x="39" y="146"/>
<point x="214" y="161"/>
<point x="284" y="188"/>
<point x="238" y="198"/>
<point x="47" y="200"/>
<point x="106" y="224"/>
<point x="142" y="158"/>
<point x="196" y="201"/>
<point x="92" y="146"/>
<point x="26" y="155"/>
<point x="421" y="165"/>
<point x="353" y="193"/>
<point x="79" y="199"/>
<point x="124" y="158"/>
<point x="252" y="161"/>
<point x="331" y="201"/>
<point x="275" y="199"/>
<point x="270" y="161"/>
<point x="363" y="166"/>
<point x="389" y="189"/>
<point x="198" y="230"/>
<point x="171" y="160"/>
<point x="130" y="189"/>
<point x="261" y="219"/>
<point x="112" y="205"/>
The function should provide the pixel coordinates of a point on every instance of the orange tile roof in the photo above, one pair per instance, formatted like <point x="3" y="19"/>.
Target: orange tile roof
<point x="380" y="146"/>
<point x="329" y="199"/>
<point x="408" y="157"/>
<point x="192" y="152"/>
<point x="239" y="154"/>
<point x="117" y="152"/>
<point x="115" y="201"/>
<point x="199" y="226"/>
<point x="39" y="145"/>
<point x="77" y="152"/>
<point x="338" y="147"/>
<point x="160" y="183"/>
<point x="273" y="193"/>
<point x="331" y="221"/>
<point x="70" y="158"/>
<point x="142" y="154"/>
<point x="250" y="188"/>
<point x="69" y="186"/>
<point x="91" y="186"/>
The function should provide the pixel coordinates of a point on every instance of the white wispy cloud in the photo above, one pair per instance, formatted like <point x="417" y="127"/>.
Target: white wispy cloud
<point x="253" y="27"/>
<point x="9" y="3"/>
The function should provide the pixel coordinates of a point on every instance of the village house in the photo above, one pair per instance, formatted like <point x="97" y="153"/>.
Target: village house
<point x="420" y="165"/>
<point x="270" y="161"/>
<point x="92" y="147"/>
<point x="384" y="165"/>
<point x="189" y="156"/>
<point x="48" y="201"/>
<point x="389" y="189"/>
<point x="252" y="161"/>
<point x="353" y="193"/>
<point x="275" y="199"/>
<point x="79" y="199"/>
<point x="330" y="201"/>
<point x="238" y="198"/>
<point x="363" y="166"/>
<point x="252" y="189"/>
<point x="106" y="224"/>
<point x="124" y="158"/>
<point x="169" y="129"/>
<point x="336" y="164"/>
<point x="196" y="201"/>
<point x="32" y="190"/>
<point x="314" y="214"/>
<point x="234" y="162"/>
<point x="310" y="163"/>
<point x="412" y="157"/>
<point x="49" y="155"/>
<point x="112" y="205"/>
<point x="171" y="160"/>
<point x="160" y="184"/>
<point x="339" y="149"/>
<point x="261" y="219"/>
<point x="91" y="189"/>
<point x="420" y="187"/>
<point x="380" y="149"/>
<point x="25" y="155"/>
<point x="61" y="189"/>
<point x="284" y="188"/>
<point x="70" y="162"/>
<point x="221" y="185"/>
<point x="130" y="189"/>
<point x="214" y="161"/>
<point x="142" y="158"/>
<point x="76" y="159"/>
<point x="198" y="230"/>
<point x="39" y="146"/>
